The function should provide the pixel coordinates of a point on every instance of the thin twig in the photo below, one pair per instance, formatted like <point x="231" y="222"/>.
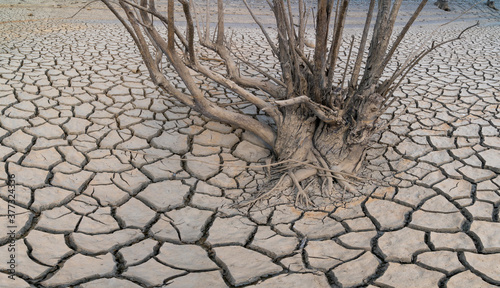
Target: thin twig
<point x="84" y="6"/>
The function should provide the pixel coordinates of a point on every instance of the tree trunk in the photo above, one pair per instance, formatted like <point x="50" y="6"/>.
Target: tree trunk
<point x="442" y="4"/>
<point x="304" y="134"/>
<point x="322" y="130"/>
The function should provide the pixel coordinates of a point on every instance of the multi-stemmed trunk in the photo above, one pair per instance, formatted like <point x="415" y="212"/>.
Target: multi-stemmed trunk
<point x="323" y="121"/>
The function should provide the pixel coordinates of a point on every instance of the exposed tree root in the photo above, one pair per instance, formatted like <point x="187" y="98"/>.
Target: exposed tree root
<point x="291" y="173"/>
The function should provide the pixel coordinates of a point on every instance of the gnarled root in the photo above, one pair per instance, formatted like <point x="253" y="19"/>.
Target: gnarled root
<point x="285" y="181"/>
<point x="316" y="168"/>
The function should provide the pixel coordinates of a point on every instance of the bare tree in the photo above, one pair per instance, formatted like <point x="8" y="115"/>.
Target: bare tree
<point x="323" y="119"/>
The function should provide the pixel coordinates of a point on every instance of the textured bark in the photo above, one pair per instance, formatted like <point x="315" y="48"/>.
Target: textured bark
<point x="321" y="128"/>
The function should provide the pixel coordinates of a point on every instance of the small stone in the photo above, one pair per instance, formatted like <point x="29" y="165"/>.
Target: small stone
<point x="443" y="260"/>
<point x="401" y="245"/>
<point x="486" y="264"/>
<point x="467" y="279"/>
<point x="234" y="230"/>
<point x="406" y="275"/>
<point x="138" y="252"/>
<point x="356" y="272"/>
<point x="187" y="257"/>
<point x="135" y="214"/>
<point x="209" y="279"/>
<point x="151" y="273"/>
<point x="107" y="242"/>
<point x="165" y="195"/>
<point x="80" y="267"/>
<point x="389" y="214"/>
<point x="245" y="265"/>
<point x="272" y="243"/>
<point x="317" y="225"/>
<point x="326" y="254"/>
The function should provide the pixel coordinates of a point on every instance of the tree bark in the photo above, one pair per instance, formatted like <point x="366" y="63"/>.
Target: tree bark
<point x="321" y="130"/>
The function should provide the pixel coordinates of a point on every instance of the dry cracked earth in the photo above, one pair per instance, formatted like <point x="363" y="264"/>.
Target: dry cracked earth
<point x="115" y="183"/>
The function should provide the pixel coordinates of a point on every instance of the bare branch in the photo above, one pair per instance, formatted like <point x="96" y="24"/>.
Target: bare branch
<point x="403" y="33"/>
<point x="83" y="7"/>
<point x="337" y="40"/>
<point x="326" y="114"/>
<point x="361" y="50"/>
<point x="347" y="63"/>
<point x="271" y="43"/>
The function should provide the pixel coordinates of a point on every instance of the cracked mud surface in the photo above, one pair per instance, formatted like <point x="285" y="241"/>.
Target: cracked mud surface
<point x="116" y="187"/>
